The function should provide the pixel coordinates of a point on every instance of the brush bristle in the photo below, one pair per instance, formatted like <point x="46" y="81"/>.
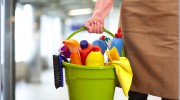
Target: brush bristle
<point x="57" y="74"/>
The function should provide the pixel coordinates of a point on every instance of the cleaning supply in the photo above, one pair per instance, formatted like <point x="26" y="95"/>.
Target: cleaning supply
<point x="74" y="47"/>
<point x="101" y="44"/>
<point x="123" y="69"/>
<point x="102" y="37"/>
<point x="98" y="47"/>
<point x="107" y="40"/>
<point x="64" y="51"/>
<point x="85" y="78"/>
<point x="85" y="50"/>
<point x="58" y="70"/>
<point x="118" y="42"/>
<point x="95" y="57"/>
<point x="113" y="54"/>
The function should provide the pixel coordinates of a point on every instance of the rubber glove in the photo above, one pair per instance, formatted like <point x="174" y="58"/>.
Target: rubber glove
<point x="96" y="22"/>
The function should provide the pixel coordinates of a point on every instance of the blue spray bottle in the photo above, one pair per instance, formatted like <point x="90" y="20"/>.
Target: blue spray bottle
<point x="118" y="42"/>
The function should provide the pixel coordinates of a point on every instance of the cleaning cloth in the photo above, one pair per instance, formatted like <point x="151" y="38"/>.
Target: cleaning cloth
<point x="123" y="69"/>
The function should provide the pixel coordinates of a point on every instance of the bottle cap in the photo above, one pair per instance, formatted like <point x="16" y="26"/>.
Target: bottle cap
<point x="118" y="34"/>
<point x="102" y="37"/>
<point x="65" y="51"/>
<point x="96" y="48"/>
<point x="84" y="44"/>
<point x="107" y="39"/>
<point x="64" y="48"/>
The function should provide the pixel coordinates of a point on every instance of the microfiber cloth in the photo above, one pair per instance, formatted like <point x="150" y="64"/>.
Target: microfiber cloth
<point x="123" y="69"/>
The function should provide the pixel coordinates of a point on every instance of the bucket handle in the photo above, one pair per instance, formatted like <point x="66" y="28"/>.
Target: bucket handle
<point x="84" y="28"/>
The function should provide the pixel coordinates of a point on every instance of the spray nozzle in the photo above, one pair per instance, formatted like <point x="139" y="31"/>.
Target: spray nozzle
<point x="102" y="37"/>
<point x="119" y="33"/>
<point x="71" y="44"/>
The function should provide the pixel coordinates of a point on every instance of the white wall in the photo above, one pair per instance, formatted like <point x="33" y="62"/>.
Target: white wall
<point x="51" y="37"/>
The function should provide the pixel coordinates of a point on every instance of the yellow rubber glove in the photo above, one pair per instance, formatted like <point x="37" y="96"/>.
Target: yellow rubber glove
<point x="123" y="69"/>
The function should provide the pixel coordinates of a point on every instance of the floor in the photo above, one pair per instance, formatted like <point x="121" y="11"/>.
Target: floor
<point x="46" y="90"/>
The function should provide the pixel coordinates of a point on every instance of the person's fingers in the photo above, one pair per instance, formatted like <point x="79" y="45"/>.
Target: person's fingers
<point x="101" y="28"/>
<point x="92" y="27"/>
<point x="88" y="26"/>
<point x="95" y="27"/>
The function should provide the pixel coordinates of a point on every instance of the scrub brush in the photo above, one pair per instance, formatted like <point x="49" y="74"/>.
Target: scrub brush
<point x="58" y="70"/>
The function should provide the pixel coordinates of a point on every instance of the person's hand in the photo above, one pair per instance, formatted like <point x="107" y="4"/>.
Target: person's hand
<point x="96" y="22"/>
<point x="94" y="26"/>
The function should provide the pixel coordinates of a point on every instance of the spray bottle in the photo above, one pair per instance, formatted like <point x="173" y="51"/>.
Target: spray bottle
<point x="74" y="47"/>
<point x="64" y="51"/>
<point x="118" y="42"/>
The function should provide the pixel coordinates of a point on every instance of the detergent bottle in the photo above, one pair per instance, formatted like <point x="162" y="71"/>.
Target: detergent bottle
<point x="85" y="50"/>
<point x="74" y="47"/>
<point x="101" y="44"/>
<point x="118" y="42"/>
<point x="95" y="57"/>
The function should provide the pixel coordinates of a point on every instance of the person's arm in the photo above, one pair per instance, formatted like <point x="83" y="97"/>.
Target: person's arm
<point x="96" y="22"/>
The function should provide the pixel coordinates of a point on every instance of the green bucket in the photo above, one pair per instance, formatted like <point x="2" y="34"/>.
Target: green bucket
<point x="90" y="82"/>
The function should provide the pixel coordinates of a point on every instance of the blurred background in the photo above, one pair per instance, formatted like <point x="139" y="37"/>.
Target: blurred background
<point x="31" y="32"/>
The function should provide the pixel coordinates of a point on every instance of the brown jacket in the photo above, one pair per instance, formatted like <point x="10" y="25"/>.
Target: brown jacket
<point x="150" y="29"/>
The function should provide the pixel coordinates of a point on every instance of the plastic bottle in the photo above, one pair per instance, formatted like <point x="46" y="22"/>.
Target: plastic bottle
<point x="74" y="47"/>
<point x="107" y="40"/>
<point x="117" y="42"/>
<point x="101" y="44"/>
<point x="95" y="57"/>
<point x="85" y="50"/>
<point x="64" y="51"/>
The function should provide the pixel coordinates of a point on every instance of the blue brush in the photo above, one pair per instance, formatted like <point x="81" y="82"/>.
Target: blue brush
<point x="58" y="70"/>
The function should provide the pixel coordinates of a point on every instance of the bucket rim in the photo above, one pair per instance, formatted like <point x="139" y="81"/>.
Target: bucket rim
<point x="66" y="64"/>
